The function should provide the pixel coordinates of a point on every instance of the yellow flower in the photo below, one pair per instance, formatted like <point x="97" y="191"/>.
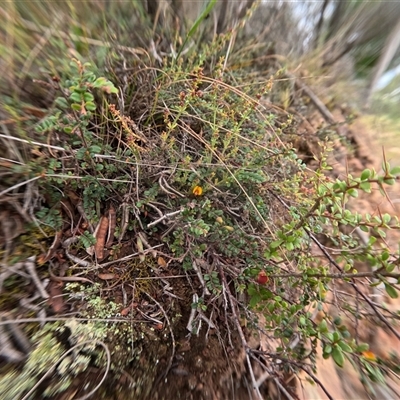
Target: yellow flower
<point x="197" y="190"/>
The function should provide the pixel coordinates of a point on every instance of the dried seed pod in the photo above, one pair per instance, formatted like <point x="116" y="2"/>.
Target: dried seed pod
<point x="101" y="238"/>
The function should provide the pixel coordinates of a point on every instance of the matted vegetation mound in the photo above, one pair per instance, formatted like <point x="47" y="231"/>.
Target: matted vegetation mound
<point x="171" y="240"/>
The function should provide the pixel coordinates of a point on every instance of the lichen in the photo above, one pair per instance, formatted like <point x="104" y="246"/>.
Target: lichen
<point x="47" y="352"/>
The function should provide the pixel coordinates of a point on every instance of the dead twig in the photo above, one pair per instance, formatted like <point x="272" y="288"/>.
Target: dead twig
<point x="11" y="270"/>
<point x="7" y="349"/>
<point x="11" y="188"/>
<point x="68" y="278"/>
<point x="201" y="279"/>
<point x="18" y="335"/>
<point x="107" y="264"/>
<point x="317" y="102"/>
<point x="168" y="189"/>
<point x="124" y="221"/>
<point x="30" y="267"/>
<point x="193" y="311"/>
<point x="66" y="244"/>
<point x="316" y="380"/>
<point x="282" y="389"/>
<point x="148" y="317"/>
<point x="56" y="242"/>
<point x="165" y="216"/>
<point x="32" y="142"/>
<point x="112" y="223"/>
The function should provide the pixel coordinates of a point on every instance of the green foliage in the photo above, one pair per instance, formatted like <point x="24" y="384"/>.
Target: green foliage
<point x="87" y="239"/>
<point x="210" y="172"/>
<point x="212" y="282"/>
<point x="253" y="178"/>
<point x="50" y="217"/>
<point x="81" y="94"/>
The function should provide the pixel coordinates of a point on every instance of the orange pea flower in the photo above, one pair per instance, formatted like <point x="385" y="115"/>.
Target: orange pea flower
<point x="197" y="190"/>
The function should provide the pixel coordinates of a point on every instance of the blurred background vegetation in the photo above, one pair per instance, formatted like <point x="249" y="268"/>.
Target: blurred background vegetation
<point x="355" y="40"/>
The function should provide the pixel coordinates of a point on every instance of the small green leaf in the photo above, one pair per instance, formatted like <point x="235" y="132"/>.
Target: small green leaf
<point x="61" y="103"/>
<point x="362" y="347"/>
<point x="328" y="349"/>
<point x="275" y="244"/>
<point x="271" y="307"/>
<point x="80" y="89"/>
<point x="87" y="239"/>
<point x="389" y="181"/>
<point x="337" y="320"/>
<point x="76" y="107"/>
<point x="375" y="284"/>
<point x="381" y="233"/>
<point x="386" y="218"/>
<point x="386" y="167"/>
<point x="385" y="255"/>
<point x="345" y="347"/>
<point x="353" y="192"/>
<point x="366" y="187"/>
<point x="391" y="291"/>
<point x="336" y="336"/>
<point x="323" y="326"/>
<point x="395" y="171"/>
<point x="254" y="300"/>
<point x="95" y="149"/>
<point x="88" y="97"/>
<point x="348" y="267"/>
<point x="75" y="97"/>
<point x="90" y="106"/>
<point x="390" y="267"/>
<point x="365" y="174"/>
<point x="378" y="376"/>
<point x="369" y="368"/>
<point x="99" y="82"/>
<point x="338" y="356"/>
<point x="289" y="246"/>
